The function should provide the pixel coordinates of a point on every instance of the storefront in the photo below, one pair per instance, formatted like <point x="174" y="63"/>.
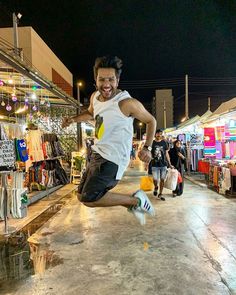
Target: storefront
<point x="219" y="163"/>
<point x="30" y="155"/>
<point x="191" y="135"/>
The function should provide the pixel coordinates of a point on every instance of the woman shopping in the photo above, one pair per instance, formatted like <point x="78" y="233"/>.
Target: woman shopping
<point x="178" y="160"/>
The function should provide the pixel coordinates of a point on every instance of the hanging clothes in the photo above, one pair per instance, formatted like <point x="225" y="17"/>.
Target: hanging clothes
<point x="226" y="182"/>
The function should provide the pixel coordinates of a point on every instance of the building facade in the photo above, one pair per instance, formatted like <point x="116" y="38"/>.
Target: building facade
<point x="38" y="54"/>
<point x="163" y="108"/>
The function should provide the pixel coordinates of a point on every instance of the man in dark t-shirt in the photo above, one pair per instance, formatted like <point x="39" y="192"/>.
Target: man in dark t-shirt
<point x="160" y="162"/>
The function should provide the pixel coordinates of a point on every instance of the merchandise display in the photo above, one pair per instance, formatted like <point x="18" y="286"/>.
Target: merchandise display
<point x="28" y="162"/>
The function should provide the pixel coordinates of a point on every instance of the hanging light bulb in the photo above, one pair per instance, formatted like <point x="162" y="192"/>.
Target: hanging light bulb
<point x="1" y="83"/>
<point x="48" y="104"/>
<point x="8" y="107"/>
<point x="3" y="103"/>
<point x="34" y="108"/>
<point x="13" y="97"/>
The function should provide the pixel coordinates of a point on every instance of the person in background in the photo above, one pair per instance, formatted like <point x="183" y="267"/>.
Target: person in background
<point x="178" y="160"/>
<point x="132" y="156"/>
<point x="159" y="163"/>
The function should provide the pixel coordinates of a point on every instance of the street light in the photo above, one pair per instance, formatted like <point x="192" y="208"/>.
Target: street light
<point x="15" y="19"/>
<point x="140" y="130"/>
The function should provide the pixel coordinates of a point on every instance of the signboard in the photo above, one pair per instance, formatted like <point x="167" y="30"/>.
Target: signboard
<point x="7" y="153"/>
<point x="209" y="142"/>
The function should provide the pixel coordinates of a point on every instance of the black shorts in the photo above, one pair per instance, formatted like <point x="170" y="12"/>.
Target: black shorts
<point x="99" y="177"/>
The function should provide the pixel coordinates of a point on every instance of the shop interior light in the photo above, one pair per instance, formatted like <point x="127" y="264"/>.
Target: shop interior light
<point x="20" y="110"/>
<point x="1" y="83"/>
<point x="33" y="96"/>
<point x="10" y="80"/>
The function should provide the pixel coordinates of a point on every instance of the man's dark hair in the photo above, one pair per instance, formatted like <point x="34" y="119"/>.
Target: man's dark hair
<point x="159" y="131"/>
<point x="108" y="62"/>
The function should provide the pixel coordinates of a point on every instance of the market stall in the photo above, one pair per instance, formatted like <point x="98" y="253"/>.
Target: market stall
<point x="30" y="156"/>
<point x="191" y="135"/>
<point x="219" y="163"/>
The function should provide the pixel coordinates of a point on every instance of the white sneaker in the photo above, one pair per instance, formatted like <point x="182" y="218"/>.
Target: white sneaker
<point x="139" y="214"/>
<point x="146" y="205"/>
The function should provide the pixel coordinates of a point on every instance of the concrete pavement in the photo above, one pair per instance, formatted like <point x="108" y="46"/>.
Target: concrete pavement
<point x="189" y="247"/>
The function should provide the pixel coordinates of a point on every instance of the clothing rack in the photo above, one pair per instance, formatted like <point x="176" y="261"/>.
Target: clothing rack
<point x="5" y="201"/>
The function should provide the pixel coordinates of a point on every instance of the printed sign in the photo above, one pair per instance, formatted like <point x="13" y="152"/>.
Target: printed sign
<point x="7" y="153"/>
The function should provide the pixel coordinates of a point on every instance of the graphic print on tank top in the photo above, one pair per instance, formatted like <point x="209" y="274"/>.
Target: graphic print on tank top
<point x="99" y="127"/>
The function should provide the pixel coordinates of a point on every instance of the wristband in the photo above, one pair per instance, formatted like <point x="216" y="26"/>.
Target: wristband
<point x="147" y="147"/>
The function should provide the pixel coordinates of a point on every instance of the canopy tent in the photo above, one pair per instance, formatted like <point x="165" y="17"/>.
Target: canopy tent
<point x="227" y="108"/>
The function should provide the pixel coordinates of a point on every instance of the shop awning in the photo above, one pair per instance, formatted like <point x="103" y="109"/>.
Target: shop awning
<point x="188" y="122"/>
<point x="225" y="108"/>
<point x="22" y="82"/>
<point x="205" y="116"/>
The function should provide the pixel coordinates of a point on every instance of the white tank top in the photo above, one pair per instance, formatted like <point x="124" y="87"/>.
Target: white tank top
<point x="113" y="131"/>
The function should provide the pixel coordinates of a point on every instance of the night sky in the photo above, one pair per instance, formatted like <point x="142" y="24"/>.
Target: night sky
<point x="156" y="40"/>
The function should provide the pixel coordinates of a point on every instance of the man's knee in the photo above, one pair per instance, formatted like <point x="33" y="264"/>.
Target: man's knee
<point x="90" y="199"/>
<point x="88" y="204"/>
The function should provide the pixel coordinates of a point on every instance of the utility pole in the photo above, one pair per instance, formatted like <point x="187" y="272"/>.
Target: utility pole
<point x="79" y="132"/>
<point x="209" y="103"/>
<point x="164" y="114"/>
<point x="15" y="19"/>
<point x="186" y="97"/>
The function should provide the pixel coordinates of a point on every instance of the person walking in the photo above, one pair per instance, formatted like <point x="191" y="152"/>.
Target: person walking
<point x="132" y="156"/>
<point x="159" y="163"/>
<point x="178" y="160"/>
<point x="114" y="111"/>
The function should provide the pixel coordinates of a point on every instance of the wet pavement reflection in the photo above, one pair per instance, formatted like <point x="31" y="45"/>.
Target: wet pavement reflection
<point x="189" y="247"/>
<point x="20" y="259"/>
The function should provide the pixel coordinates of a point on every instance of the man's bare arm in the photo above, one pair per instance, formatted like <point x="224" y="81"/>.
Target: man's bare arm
<point x="82" y="117"/>
<point x="133" y="107"/>
<point x="138" y="111"/>
<point x="168" y="159"/>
